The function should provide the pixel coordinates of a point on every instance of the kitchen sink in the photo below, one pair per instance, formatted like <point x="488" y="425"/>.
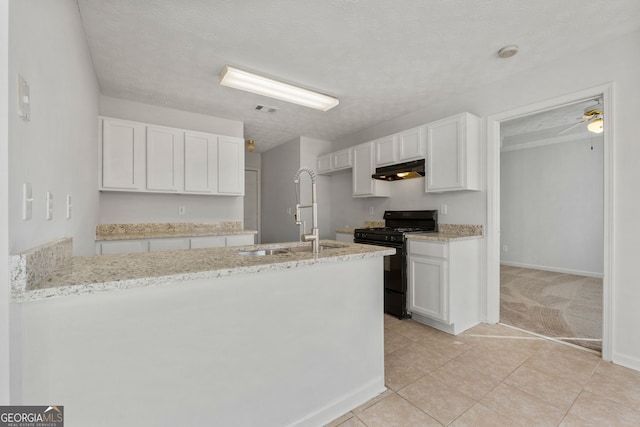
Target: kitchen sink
<point x="263" y="252"/>
<point x="282" y="251"/>
<point x="308" y="248"/>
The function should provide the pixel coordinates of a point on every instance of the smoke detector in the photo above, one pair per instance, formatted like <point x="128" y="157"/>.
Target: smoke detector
<point x="508" y="51"/>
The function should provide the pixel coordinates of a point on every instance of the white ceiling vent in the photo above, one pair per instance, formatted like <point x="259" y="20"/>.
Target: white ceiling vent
<point x="265" y="109"/>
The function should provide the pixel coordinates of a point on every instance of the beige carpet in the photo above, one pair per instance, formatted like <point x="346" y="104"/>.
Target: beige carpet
<point x="556" y="305"/>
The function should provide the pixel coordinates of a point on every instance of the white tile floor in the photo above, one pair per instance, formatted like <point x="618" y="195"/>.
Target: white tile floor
<point x="493" y="375"/>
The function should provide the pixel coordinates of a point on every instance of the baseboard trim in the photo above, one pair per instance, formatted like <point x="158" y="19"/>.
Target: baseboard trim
<point x="554" y="269"/>
<point x="342" y="405"/>
<point x="626" y="361"/>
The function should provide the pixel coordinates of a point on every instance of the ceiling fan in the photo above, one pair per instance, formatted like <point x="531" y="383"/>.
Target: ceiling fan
<point x="593" y="117"/>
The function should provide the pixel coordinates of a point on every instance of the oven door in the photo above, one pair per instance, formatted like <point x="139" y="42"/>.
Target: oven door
<point x="393" y="266"/>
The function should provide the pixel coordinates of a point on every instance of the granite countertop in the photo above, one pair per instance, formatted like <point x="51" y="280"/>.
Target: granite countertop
<point x="89" y="274"/>
<point x="447" y="233"/>
<point x="451" y="232"/>
<point x="168" y="229"/>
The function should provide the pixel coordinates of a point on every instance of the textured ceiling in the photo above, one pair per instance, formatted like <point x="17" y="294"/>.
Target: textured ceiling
<point x="381" y="58"/>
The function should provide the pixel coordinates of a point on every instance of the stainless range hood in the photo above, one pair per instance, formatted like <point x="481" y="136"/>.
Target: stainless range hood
<point x="408" y="170"/>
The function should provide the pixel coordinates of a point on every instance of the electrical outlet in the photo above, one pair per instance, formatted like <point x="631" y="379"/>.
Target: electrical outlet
<point x="288" y="211"/>
<point x="182" y="210"/>
<point x="371" y="210"/>
<point x="444" y="209"/>
<point x="505" y="248"/>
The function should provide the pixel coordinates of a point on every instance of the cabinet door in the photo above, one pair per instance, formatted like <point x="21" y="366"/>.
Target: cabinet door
<point x="445" y="155"/>
<point x="412" y="144"/>
<point x="208" y="242"/>
<point x="122" y="155"/>
<point x="363" y="168"/>
<point x="230" y="166"/>
<point x="428" y="290"/>
<point x="324" y="163"/>
<point x="200" y="163"/>
<point x="169" y="244"/>
<point x="164" y="159"/>
<point x="341" y="159"/>
<point x="123" y="246"/>
<point x="386" y="151"/>
<point x="240" y="240"/>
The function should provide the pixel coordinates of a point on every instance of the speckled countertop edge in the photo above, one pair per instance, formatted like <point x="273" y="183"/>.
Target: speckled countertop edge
<point x="448" y="232"/>
<point x="442" y="237"/>
<point x="105" y="232"/>
<point x="91" y="274"/>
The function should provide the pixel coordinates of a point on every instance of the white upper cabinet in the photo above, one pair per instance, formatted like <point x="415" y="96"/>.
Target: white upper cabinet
<point x="453" y="154"/>
<point x="165" y="159"/>
<point x="386" y="151"/>
<point x="402" y="147"/>
<point x="230" y="166"/>
<point x="122" y="153"/>
<point x="412" y="144"/>
<point x="335" y="162"/>
<point x="363" y="168"/>
<point x="140" y="157"/>
<point x="200" y="163"/>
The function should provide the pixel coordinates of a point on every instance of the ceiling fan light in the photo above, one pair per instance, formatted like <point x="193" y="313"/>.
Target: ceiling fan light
<point x="596" y="126"/>
<point x="249" y="82"/>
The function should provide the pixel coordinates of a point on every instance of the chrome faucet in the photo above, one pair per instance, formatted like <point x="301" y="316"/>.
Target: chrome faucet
<point x="314" y="237"/>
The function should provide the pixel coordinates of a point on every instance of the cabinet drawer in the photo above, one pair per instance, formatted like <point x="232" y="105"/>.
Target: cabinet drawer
<point x="434" y="250"/>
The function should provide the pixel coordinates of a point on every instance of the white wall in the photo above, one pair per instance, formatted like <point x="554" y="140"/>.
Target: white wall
<point x="4" y="205"/>
<point x="279" y="165"/>
<point x="552" y="207"/>
<point x="121" y="207"/>
<point x="136" y="111"/>
<point x="310" y="149"/>
<point x="574" y="73"/>
<point x="57" y="150"/>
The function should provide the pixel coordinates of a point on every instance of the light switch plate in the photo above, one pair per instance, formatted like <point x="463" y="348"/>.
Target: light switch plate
<point x="49" y="206"/>
<point x="24" y="99"/>
<point x="27" y="201"/>
<point x="69" y="205"/>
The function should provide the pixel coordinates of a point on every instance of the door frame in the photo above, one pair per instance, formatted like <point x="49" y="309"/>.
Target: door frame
<point x="257" y="171"/>
<point x="492" y="291"/>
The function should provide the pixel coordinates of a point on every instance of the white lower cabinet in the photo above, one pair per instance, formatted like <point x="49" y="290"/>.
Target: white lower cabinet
<point x="444" y="281"/>
<point x="172" y="243"/>
<point x="121" y="246"/>
<point x="241" y="239"/>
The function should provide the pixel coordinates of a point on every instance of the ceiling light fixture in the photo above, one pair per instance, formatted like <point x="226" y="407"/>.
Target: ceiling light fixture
<point x="596" y="126"/>
<point x="250" y="145"/>
<point x="508" y="51"/>
<point x="243" y="80"/>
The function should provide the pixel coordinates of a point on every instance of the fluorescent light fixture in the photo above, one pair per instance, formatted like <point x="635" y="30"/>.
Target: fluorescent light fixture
<point x="243" y="80"/>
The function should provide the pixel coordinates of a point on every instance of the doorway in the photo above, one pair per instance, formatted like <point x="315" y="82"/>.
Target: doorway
<point x="252" y="201"/>
<point x="551" y="225"/>
<point x="494" y="198"/>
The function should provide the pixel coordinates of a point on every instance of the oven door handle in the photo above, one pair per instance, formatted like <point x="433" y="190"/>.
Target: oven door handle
<point x="376" y="243"/>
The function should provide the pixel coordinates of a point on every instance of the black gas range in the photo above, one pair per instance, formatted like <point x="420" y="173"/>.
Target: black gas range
<point x="397" y="225"/>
